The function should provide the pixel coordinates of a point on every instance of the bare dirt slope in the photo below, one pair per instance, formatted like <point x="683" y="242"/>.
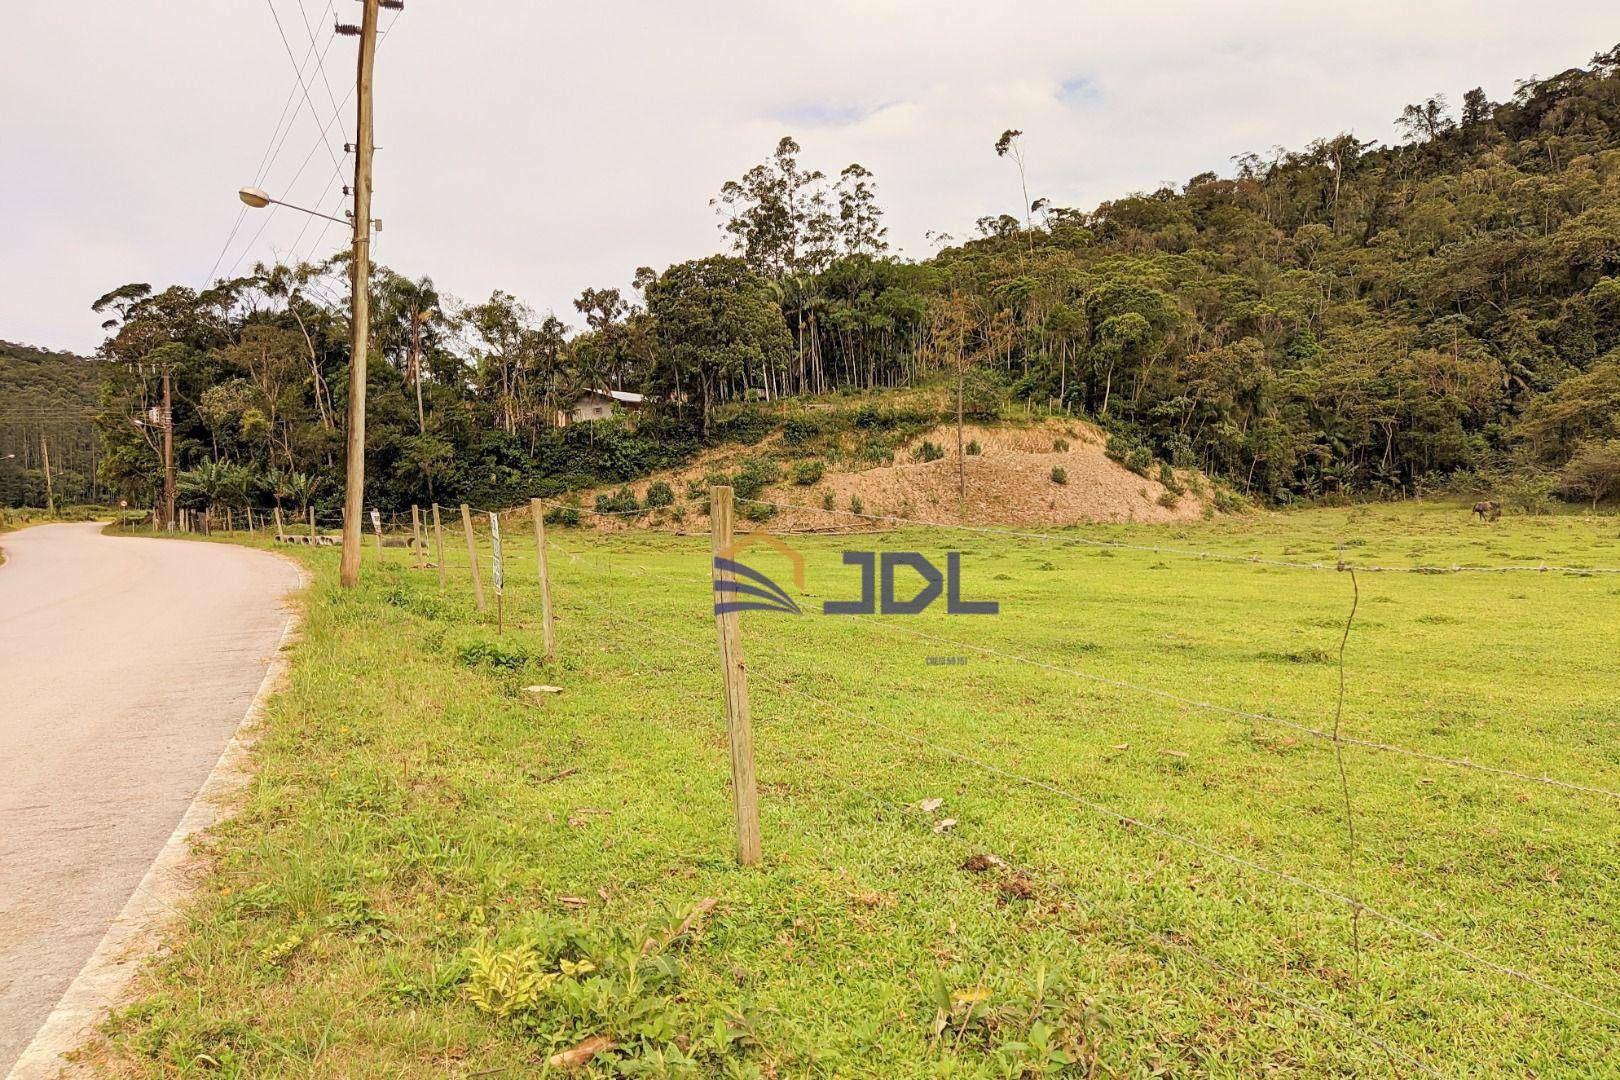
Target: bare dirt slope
<point x="1009" y="482"/>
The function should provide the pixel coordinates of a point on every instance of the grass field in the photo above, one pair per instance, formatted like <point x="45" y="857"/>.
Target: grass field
<point x="437" y="872"/>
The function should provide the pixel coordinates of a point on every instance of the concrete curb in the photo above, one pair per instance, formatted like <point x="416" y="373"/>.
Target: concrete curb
<point x="134" y="936"/>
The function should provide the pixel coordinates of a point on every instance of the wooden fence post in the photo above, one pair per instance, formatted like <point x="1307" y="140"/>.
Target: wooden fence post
<point x="376" y="527"/>
<point x="537" y="508"/>
<point x="438" y="545"/>
<point x="312" y="537"/>
<point x="416" y="533"/>
<point x="739" y="725"/>
<point x="280" y="533"/>
<point x="472" y="555"/>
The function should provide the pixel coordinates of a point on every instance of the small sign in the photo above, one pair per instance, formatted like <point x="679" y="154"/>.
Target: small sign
<point x="496" y="569"/>
<point x="376" y="521"/>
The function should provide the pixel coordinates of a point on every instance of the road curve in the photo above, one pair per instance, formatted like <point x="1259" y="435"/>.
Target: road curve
<point x="126" y="665"/>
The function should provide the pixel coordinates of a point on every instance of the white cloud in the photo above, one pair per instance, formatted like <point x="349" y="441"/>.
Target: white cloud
<point x="543" y="148"/>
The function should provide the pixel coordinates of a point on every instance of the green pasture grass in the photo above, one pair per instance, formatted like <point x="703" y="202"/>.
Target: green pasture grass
<point x="423" y="834"/>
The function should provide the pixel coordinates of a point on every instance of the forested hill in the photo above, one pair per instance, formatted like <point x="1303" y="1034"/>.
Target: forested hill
<point x="50" y="398"/>
<point x="1344" y="317"/>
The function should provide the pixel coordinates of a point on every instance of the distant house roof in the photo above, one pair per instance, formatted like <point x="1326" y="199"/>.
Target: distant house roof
<point x="619" y="395"/>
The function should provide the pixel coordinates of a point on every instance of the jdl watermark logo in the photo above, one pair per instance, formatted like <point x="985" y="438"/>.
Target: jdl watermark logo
<point x="747" y="589"/>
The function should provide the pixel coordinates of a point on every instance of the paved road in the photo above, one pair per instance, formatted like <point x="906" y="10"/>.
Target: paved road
<point x="125" y="666"/>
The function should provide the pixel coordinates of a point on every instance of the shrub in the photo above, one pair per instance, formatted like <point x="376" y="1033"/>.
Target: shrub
<point x="1169" y="500"/>
<point x="981" y="395"/>
<point x="659" y="493"/>
<point x="1167" y="478"/>
<point x="973" y="448"/>
<point x="1060" y="475"/>
<point x="799" y="430"/>
<point x="855" y="505"/>
<point x="1593" y="473"/>
<point x="622" y="501"/>
<point x="806" y="473"/>
<point x="1228" y="501"/>
<point x="754" y="477"/>
<point x="826" y="500"/>
<point x="1059" y="445"/>
<point x="1527" y="494"/>
<point x="566" y="516"/>
<point x="1139" y="460"/>
<point x="503" y="655"/>
<point x="928" y="451"/>
<point x="756" y="511"/>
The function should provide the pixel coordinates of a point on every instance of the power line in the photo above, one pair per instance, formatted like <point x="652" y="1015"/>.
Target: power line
<point x="299" y="75"/>
<point x="272" y="151"/>
<point x="305" y="164"/>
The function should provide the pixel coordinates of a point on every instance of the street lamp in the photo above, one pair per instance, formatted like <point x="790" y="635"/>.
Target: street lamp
<point x="354" y="481"/>
<point x="258" y="198"/>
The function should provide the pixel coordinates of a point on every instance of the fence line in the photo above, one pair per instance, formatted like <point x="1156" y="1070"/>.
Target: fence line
<point x="1211" y="556"/>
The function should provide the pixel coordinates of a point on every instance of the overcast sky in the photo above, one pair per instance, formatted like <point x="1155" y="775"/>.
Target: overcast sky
<point x="543" y="147"/>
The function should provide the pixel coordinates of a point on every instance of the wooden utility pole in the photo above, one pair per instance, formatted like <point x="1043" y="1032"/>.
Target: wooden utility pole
<point x="739" y="724"/>
<point x="280" y="531"/>
<point x="313" y="538"/>
<point x="168" y="450"/>
<point x="50" y="495"/>
<point x="354" y="490"/>
<point x="472" y="555"/>
<point x="438" y="545"/>
<point x="538" y="509"/>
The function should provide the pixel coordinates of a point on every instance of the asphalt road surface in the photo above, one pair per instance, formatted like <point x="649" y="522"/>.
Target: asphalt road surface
<point x="126" y="665"/>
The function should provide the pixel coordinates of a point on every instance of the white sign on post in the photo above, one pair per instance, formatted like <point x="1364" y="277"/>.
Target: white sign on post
<point x="376" y="521"/>
<point x="496" y="570"/>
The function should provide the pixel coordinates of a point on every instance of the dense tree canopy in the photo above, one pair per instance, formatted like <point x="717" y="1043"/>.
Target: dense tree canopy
<point x="1343" y="317"/>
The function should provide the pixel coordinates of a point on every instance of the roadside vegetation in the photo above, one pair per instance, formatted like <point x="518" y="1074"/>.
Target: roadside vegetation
<point x="439" y="871"/>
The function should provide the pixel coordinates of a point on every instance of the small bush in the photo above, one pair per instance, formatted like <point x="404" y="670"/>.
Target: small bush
<point x="806" y="473"/>
<point x="1528" y="495"/>
<point x="1169" y="500"/>
<point x="1060" y="445"/>
<point x="1227" y="501"/>
<point x="1139" y="460"/>
<point x="659" y="493"/>
<point x="1593" y="474"/>
<point x="697" y="489"/>
<point x="754" y="477"/>
<point x="565" y="516"/>
<point x="973" y="448"/>
<point x="1167" y="478"/>
<point x="826" y="500"/>
<point x="1060" y="475"/>
<point x="928" y="451"/>
<point x="622" y="501"/>
<point x="494" y="654"/>
<point x="855" y="505"/>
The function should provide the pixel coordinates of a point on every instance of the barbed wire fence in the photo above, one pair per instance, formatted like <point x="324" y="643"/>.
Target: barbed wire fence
<point x="465" y="540"/>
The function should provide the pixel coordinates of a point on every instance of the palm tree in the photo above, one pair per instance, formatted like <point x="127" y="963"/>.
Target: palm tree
<point x="206" y="484"/>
